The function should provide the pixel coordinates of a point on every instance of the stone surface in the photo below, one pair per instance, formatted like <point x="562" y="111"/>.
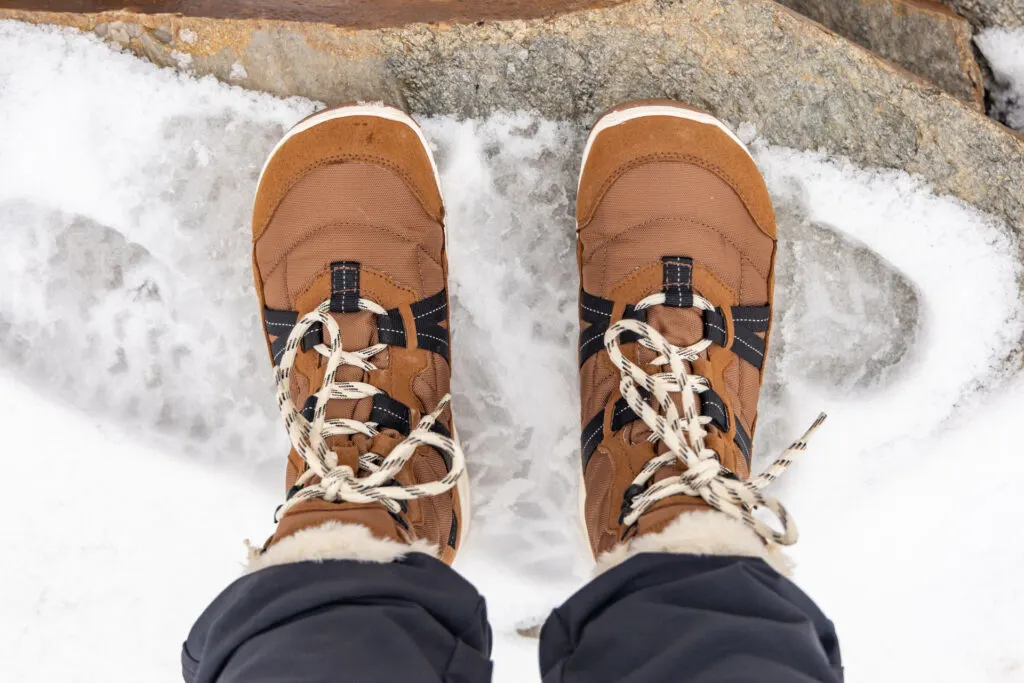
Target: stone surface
<point x="349" y="13"/>
<point x="989" y="13"/>
<point x="744" y="60"/>
<point x="924" y="37"/>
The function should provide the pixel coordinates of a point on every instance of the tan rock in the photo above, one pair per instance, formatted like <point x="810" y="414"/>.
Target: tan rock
<point x="348" y="13"/>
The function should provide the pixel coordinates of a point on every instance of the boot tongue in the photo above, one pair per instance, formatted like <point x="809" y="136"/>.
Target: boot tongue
<point x="358" y="331"/>
<point x="681" y="327"/>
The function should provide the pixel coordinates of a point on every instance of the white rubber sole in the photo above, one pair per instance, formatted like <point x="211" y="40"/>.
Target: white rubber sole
<point x="465" y="507"/>
<point x="617" y="118"/>
<point x="390" y="113"/>
<point x="377" y="109"/>
<point x="582" y="519"/>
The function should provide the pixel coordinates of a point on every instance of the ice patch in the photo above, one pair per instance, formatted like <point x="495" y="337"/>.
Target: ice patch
<point x="125" y="193"/>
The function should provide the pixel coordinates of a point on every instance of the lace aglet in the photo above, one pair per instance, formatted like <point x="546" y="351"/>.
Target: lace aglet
<point x="801" y="443"/>
<point x="441" y="405"/>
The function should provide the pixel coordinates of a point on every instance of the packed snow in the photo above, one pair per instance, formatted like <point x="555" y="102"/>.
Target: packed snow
<point x="143" y="444"/>
<point x="1003" y="48"/>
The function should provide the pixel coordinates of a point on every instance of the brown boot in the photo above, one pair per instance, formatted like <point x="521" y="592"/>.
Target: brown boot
<point x="350" y="266"/>
<point x="676" y="248"/>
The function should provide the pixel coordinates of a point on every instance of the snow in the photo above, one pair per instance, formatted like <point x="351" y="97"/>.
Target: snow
<point x="143" y="442"/>
<point x="113" y="544"/>
<point x="238" y="72"/>
<point x="1004" y="50"/>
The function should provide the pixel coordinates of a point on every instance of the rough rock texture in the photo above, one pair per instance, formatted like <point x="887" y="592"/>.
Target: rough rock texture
<point x="925" y="37"/>
<point x="988" y="13"/>
<point x="348" y="13"/>
<point x="744" y="60"/>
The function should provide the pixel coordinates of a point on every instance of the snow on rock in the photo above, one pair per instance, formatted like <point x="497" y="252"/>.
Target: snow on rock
<point x="1004" y="50"/>
<point x="129" y="320"/>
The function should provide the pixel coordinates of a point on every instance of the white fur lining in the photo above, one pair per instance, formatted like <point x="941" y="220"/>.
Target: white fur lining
<point x="334" y="541"/>
<point x="699" y="533"/>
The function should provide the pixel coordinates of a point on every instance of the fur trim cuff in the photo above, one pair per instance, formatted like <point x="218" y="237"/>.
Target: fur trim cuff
<point x="699" y="533"/>
<point x="334" y="541"/>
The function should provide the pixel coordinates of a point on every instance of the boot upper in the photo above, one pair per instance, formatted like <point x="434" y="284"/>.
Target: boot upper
<point x="350" y="208"/>
<point x="676" y="205"/>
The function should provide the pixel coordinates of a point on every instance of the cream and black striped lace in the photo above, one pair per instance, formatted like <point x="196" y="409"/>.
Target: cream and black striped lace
<point x="683" y="434"/>
<point x="339" y="483"/>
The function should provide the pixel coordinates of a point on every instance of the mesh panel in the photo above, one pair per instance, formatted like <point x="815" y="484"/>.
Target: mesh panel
<point x="753" y="288"/>
<point x="681" y="326"/>
<point x="671" y="208"/>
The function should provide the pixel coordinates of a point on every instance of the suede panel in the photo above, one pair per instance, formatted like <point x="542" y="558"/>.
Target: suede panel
<point x="365" y="139"/>
<point x="642" y="141"/>
<point x="313" y="513"/>
<point x="371" y="216"/>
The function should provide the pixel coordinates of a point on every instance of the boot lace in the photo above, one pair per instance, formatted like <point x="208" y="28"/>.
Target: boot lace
<point x="683" y="434"/>
<point x="309" y="437"/>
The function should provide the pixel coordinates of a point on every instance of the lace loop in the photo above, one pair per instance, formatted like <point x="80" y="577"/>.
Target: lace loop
<point x="683" y="432"/>
<point x="309" y="437"/>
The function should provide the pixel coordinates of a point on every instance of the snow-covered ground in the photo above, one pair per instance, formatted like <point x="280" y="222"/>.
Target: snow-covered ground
<point x="142" y="444"/>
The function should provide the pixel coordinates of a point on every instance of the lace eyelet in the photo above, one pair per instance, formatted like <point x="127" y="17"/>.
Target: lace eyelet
<point x="632" y="492"/>
<point x="398" y="518"/>
<point x="343" y="485"/>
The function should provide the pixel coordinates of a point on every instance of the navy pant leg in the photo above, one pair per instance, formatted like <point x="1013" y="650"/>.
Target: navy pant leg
<point x="413" y="621"/>
<point x="663" y="618"/>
